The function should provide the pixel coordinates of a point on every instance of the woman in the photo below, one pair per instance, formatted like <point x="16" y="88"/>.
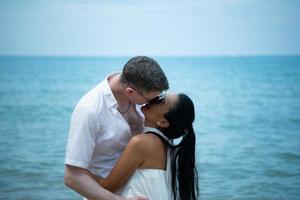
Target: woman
<point x="151" y="164"/>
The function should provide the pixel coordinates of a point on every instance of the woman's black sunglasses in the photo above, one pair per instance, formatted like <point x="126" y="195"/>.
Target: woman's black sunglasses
<point x="157" y="100"/>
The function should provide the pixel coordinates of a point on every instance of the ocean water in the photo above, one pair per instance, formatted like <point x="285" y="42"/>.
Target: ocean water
<point x="247" y="122"/>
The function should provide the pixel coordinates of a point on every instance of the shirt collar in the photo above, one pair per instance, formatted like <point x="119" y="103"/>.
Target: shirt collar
<point x="111" y="100"/>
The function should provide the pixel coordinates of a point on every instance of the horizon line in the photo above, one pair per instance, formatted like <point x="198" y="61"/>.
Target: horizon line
<point x="150" y="55"/>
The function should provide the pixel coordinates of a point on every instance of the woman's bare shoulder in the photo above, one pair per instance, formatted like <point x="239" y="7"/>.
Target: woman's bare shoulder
<point x="145" y="141"/>
<point x="145" y="138"/>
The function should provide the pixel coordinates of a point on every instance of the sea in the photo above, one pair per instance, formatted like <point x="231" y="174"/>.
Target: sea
<point x="247" y="122"/>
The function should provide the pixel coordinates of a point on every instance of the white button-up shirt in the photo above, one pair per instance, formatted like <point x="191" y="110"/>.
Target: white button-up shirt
<point x="98" y="132"/>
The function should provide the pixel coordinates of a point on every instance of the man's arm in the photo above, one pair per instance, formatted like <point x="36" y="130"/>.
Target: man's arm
<point x="79" y="180"/>
<point x="79" y="151"/>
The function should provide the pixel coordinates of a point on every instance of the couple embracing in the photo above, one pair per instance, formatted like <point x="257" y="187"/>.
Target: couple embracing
<point x="120" y="145"/>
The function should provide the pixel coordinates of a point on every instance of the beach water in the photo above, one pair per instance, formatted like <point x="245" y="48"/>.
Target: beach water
<point x="247" y="122"/>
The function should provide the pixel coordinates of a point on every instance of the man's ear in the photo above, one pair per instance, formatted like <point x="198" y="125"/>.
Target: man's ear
<point x="163" y="123"/>
<point x="129" y="91"/>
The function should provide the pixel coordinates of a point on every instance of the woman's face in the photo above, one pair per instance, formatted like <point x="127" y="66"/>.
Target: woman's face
<point x="154" y="114"/>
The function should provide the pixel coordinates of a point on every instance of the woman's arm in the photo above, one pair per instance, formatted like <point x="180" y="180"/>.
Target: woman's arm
<point x="131" y="159"/>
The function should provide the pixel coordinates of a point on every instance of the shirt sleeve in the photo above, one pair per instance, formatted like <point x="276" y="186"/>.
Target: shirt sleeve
<point x="82" y="137"/>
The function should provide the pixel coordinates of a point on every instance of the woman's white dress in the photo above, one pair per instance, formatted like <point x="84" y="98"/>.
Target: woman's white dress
<point x="155" y="184"/>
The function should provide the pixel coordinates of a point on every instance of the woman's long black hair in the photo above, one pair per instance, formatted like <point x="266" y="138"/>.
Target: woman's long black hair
<point x="183" y="169"/>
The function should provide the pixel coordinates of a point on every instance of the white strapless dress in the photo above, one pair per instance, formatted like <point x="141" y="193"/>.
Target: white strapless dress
<point x="151" y="183"/>
<point x="155" y="184"/>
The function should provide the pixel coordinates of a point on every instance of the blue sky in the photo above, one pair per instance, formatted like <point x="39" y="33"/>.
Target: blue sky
<point x="131" y="27"/>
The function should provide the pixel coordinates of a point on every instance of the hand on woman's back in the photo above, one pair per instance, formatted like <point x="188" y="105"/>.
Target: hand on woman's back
<point x="138" y="198"/>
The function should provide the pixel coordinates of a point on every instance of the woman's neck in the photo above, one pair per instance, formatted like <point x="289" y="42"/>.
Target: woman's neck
<point x="151" y="125"/>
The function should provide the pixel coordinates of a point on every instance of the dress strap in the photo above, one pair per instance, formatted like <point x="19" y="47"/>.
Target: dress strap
<point x="167" y="140"/>
<point x="158" y="133"/>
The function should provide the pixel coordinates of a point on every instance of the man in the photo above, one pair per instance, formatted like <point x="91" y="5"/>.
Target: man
<point x="103" y="122"/>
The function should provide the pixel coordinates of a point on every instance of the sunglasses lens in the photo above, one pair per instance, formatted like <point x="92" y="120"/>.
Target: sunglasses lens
<point x="157" y="100"/>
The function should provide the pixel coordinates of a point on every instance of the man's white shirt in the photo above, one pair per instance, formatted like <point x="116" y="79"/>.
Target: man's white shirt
<point x="98" y="132"/>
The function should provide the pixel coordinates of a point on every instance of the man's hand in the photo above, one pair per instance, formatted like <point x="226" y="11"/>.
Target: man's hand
<point x="138" y="198"/>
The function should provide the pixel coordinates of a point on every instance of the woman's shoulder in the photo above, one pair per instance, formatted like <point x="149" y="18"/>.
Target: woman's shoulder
<point x="145" y="140"/>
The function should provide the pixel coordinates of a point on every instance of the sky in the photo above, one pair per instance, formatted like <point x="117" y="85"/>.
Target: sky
<point x="156" y="27"/>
